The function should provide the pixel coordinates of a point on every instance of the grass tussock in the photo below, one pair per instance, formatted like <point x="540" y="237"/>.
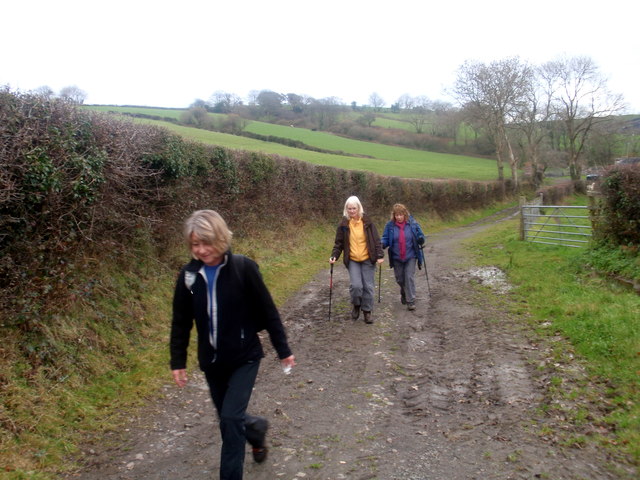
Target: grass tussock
<point x="103" y="347"/>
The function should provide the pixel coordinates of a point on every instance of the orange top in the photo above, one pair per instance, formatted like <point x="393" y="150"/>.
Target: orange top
<point x="357" y="242"/>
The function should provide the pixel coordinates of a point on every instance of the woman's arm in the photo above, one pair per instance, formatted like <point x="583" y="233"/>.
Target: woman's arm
<point x="266" y="309"/>
<point x="181" y="324"/>
<point x="338" y="244"/>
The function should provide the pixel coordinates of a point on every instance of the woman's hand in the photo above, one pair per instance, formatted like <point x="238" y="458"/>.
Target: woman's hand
<point x="180" y="377"/>
<point x="332" y="260"/>
<point x="287" y="364"/>
<point x="290" y="362"/>
<point x="380" y="260"/>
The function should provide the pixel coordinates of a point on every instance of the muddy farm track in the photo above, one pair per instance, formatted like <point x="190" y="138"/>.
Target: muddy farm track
<point x="448" y="391"/>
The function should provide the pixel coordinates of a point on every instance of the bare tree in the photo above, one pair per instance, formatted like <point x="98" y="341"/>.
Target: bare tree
<point x="491" y="95"/>
<point x="269" y="103"/>
<point x="419" y="113"/>
<point x="580" y="100"/>
<point x="405" y="101"/>
<point x="325" y="112"/>
<point x="296" y="102"/>
<point x="604" y="143"/>
<point x="532" y="123"/>
<point x="366" y="119"/>
<point x="44" y="91"/>
<point x="376" y="101"/>
<point x="73" y="94"/>
<point x="253" y="97"/>
<point x="224" y="102"/>
<point x="446" y="119"/>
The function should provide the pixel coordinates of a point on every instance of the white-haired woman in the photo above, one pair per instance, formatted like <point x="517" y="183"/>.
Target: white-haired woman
<point x="358" y="238"/>
<point x="226" y="297"/>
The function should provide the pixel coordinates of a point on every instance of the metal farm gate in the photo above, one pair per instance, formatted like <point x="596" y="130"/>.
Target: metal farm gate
<point x="570" y="226"/>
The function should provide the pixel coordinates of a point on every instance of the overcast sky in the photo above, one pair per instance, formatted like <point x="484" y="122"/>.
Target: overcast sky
<point x="169" y="53"/>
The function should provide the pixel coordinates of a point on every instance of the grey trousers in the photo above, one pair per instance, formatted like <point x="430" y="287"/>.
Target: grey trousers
<point x="405" y="277"/>
<point x="362" y="288"/>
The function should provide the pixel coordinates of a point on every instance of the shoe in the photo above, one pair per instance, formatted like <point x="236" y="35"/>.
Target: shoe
<point x="259" y="454"/>
<point x="355" y="312"/>
<point x="367" y="317"/>
<point x="403" y="298"/>
<point x="411" y="306"/>
<point x="256" y="433"/>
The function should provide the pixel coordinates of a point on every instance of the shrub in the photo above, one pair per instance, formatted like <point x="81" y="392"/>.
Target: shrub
<point x="620" y="223"/>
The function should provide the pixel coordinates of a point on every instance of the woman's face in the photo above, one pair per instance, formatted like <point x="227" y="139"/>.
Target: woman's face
<point x="208" y="254"/>
<point x="399" y="217"/>
<point x="352" y="210"/>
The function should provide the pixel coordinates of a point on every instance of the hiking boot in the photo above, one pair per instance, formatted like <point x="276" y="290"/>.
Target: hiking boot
<point x="355" y="312"/>
<point x="367" y="317"/>
<point x="403" y="298"/>
<point x="411" y="306"/>
<point x="256" y="433"/>
<point x="259" y="454"/>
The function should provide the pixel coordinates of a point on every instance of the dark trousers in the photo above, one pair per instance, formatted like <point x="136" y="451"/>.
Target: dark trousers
<point x="231" y="391"/>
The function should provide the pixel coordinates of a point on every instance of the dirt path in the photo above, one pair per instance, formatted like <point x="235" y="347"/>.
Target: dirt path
<point x="449" y="391"/>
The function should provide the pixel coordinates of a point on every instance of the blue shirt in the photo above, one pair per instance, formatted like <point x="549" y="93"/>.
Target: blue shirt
<point x="210" y="272"/>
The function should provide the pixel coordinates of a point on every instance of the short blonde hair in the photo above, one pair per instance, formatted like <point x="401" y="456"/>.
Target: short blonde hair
<point x="210" y="228"/>
<point x="353" y="200"/>
<point x="399" y="209"/>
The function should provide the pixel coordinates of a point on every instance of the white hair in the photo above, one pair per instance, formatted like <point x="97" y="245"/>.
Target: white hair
<point x="351" y="201"/>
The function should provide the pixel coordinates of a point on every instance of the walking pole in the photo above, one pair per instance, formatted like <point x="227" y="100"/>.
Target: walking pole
<point x="379" y="280"/>
<point x="424" y="257"/>
<point x="330" y="289"/>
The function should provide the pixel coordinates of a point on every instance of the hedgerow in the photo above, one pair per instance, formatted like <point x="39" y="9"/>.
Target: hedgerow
<point x="620" y="216"/>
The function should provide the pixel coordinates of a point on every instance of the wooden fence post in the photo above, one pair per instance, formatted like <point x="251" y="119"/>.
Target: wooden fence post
<point x="523" y="200"/>
<point x="594" y="210"/>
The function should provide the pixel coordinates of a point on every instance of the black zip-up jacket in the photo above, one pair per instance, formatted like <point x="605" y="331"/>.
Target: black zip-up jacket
<point x="374" y="246"/>
<point x="242" y="306"/>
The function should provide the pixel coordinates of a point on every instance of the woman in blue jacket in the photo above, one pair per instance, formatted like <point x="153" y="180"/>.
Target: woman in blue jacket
<point x="404" y="237"/>
<point x="226" y="297"/>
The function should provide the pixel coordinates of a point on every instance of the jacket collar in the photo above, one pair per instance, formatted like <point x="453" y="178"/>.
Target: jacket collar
<point x="365" y="220"/>
<point x="196" y="265"/>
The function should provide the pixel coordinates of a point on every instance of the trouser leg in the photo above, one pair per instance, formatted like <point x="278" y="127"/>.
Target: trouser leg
<point x="398" y="272"/>
<point x="356" y="287"/>
<point x="410" y="280"/>
<point x="368" y="285"/>
<point x="255" y="430"/>
<point x="231" y="392"/>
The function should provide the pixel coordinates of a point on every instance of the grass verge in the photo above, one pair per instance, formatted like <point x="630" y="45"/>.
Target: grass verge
<point x="599" y="324"/>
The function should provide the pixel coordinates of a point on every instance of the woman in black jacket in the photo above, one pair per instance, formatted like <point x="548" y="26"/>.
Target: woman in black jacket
<point x="226" y="297"/>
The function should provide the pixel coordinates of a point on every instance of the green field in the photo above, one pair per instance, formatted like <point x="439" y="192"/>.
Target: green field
<point x="358" y="155"/>
<point x="386" y="122"/>
<point x="156" y="112"/>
